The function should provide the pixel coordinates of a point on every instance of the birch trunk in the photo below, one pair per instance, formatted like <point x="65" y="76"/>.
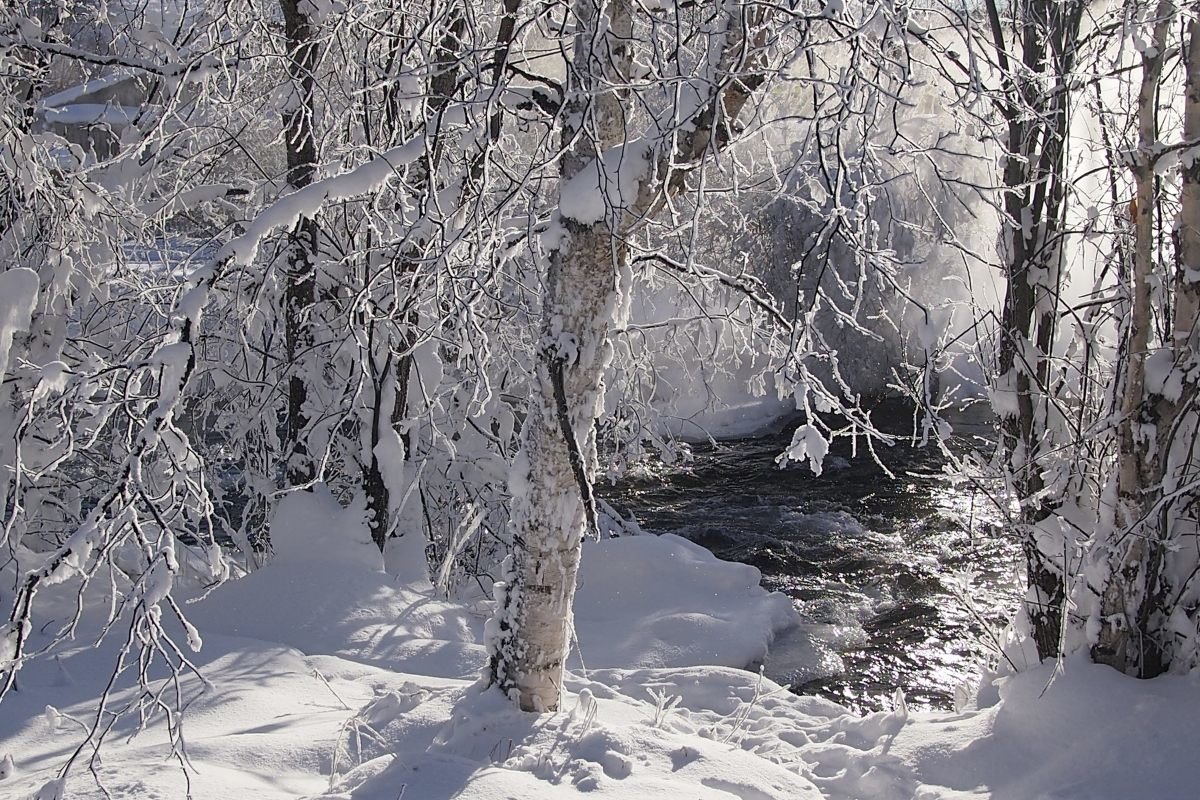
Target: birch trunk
<point x="551" y="487"/>
<point x="1179" y="412"/>
<point x="1186" y="327"/>
<point x="553" y="506"/>
<point x="1128" y="603"/>
<point x="1179" y="435"/>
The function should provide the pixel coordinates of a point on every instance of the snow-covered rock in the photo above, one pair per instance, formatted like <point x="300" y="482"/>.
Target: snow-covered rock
<point x="663" y="601"/>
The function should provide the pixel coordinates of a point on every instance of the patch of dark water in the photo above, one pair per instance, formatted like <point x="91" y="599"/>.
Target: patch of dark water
<point x="874" y="564"/>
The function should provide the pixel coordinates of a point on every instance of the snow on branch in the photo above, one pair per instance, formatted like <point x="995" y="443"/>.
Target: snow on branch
<point x="175" y="359"/>
<point x="194" y="69"/>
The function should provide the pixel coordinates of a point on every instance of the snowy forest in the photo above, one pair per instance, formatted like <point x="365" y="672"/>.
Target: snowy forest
<point x="763" y="399"/>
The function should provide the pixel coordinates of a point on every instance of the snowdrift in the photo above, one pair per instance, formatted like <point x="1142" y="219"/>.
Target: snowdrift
<point x="643" y="601"/>
<point x="329" y="678"/>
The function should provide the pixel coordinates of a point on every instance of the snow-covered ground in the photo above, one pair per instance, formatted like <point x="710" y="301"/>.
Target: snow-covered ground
<point x="331" y="679"/>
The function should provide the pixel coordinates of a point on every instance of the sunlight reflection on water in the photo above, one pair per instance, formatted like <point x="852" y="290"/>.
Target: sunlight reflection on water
<point x="872" y="563"/>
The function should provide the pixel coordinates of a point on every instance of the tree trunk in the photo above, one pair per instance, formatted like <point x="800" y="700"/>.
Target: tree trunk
<point x="1037" y="111"/>
<point x="299" y="130"/>
<point x="1185" y="333"/>
<point x="390" y="383"/>
<point x="553" y="506"/>
<point x="551" y="487"/>
<point x="1179" y="429"/>
<point x="1131" y="598"/>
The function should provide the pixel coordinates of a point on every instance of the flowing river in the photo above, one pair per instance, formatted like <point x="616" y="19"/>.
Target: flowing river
<point x="874" y="564"/>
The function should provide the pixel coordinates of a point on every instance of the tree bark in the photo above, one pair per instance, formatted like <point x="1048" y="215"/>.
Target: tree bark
<point x="300" y="140"/>
<point x="551" y="487"/>
<point x="529" y="636"/>
<point x="1186" y="328"/>
<point x="1131" y="597"/>
<point x="1036" y="108"/>
<point x="390" y="383"/>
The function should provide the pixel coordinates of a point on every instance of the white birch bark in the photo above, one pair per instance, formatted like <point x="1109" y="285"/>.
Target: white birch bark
<point x="551" y="484"/>
<point x="1186" y="330"/>
<point x="1179" y="404"/>
<point x="552" y="505"/>
<point x="1126" y="640"/>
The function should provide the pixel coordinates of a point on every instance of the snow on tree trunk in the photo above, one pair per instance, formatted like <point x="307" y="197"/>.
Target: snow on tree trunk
<point x="1179" y="431"/>
<point x="300" y="140"/>
<point x="385" y="482"/>
<point x="552" y="504"/>
<point x="609" y="182"/>
<point x="1185" y="333"/>
<point x="1147" y="620"/>
<point x="1179" y="419"/>
<point x="1036" y="108"/>
<point x="1131" y="601"/>
<point x="551" y="483"/>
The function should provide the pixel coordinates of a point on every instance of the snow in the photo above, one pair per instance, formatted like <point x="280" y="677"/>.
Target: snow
<point x="807" y="443"/>
<point x="359" y="612"/>
<point x="646" y="601"/>
<point x="736" y="418"/>
<point x="18" y="295"/>
<point x="331" y="679"/>
<point x="1004" y="396"/>
<point x="73" y="94"/>
<point x="1091" y="733"/>
<point x="93" y="114"/>
<point x="307" y="201"/>
<point x="643" y="601"/>
<point x="720" y="396"/>
<point x="310" y="527"/>
<point x="611" y="181"/>
<point x="186" y="200"/>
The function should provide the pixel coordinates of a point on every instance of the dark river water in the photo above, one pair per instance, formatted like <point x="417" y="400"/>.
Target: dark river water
<point x="874" y="564"/>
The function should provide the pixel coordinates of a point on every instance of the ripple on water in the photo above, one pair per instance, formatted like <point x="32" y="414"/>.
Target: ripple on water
<point x="866" y="558"/>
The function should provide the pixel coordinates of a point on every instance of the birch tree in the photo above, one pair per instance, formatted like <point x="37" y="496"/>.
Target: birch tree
<point x="607" y="179"/>
<point x="1020" y="71"/>
<point x="612" y="182"/>
<point x="1095" y="440"/>
<point x="1036" y="76"/>
<point x="1146" y="615"/>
